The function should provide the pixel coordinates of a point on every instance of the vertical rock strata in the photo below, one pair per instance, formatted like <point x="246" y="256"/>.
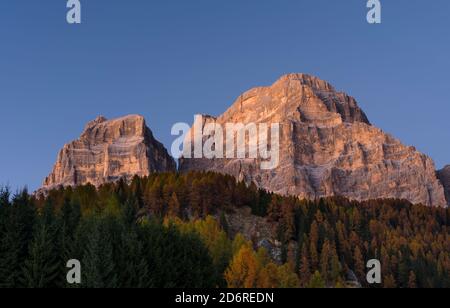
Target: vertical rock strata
<point x="109" y="150"/>
<point x="327" y="147"/>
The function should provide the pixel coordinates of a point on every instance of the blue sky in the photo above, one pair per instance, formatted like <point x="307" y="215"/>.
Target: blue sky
<point x="168" y="60"/>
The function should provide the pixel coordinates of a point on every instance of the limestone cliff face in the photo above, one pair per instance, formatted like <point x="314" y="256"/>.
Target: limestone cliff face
<point x="107" y="151"/>
<point x="444" y="176"/>
<point x="327" y="147"/>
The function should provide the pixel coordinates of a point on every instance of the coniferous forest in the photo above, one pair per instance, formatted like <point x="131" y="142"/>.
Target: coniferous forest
<point x="171" y="230"/>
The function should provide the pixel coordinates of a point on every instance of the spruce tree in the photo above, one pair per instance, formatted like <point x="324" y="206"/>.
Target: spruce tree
<point x="98" y="268"/>
<point x="174" y="207"/>
<point x="316" y="281"/>
<point x="68" y="222"/>
<point x="41" y="266"/>
<point x="243" y="269"/>
<point x="5" y="209"/>
<point x="305" y="269"/>
<point x="132" y="265"/>
<point x="17" y="233"/>
<point x="412" y="282"/>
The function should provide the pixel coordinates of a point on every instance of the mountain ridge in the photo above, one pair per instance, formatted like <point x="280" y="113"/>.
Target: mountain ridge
<point x="328" y="147"/>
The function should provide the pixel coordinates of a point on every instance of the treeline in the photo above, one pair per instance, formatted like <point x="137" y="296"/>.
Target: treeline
<point x="114" y="250"/>
<point x="171" y="230"/>
<point x="336" y="237"/>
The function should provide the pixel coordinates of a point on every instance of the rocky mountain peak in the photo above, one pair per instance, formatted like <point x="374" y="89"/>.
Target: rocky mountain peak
<point x="299" y="97"/>
<point x="108" y="150"/>
<point x="123" y="127"/>
<point x="327" y="147"/>
<point x="307" y="80"/>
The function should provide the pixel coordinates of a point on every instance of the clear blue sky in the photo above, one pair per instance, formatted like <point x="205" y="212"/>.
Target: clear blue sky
<point x="168" y="60"/>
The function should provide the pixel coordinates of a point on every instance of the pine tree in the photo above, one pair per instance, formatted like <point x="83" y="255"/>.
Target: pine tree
<point x="130" y="211"/>
<point x="41" y="267"/>
<point x="4" y="206"/>
<point x="217" y="242"/>
<point x="314" y="245"/>
<point x="98" y="266"/>
<point x="17" y="234"/>
<point x="389" y="282"/>
<point x="325" y="261"/>
<point x="68" y="221"/>
<point x="334" y="235"/>
<point x="238" y="242"/>
<point x="268" y="277"/>
<point x="175" y="259"/>
<point x="305" y="270"/>
<point x="113" y="207"/>
<point x="412" y="283"/>
<point x="243" y="269"/>
<point x="359" y="263"/>
<point x="262" y="257"/>
<point x="174" y="207"/>
<point x="314" y="256"/>
<point x="5" y="253"/>
<point x="9" y="257"/>
<point x="195" y="198"/>
<point x="316" y="281"/>
<point x="131" y="264"/>
<point x="287" y="278"/>
<point x="335" y="266"/>
<point x="153" y="199"/>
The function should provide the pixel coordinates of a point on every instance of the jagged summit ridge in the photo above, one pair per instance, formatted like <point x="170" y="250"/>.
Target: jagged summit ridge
<point x="328" y="147"/>
<point x="298" y="97"/>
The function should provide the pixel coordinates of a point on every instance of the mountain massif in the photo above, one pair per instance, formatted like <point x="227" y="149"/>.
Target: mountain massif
<point x="108" y="150"/>
<point x="327" y="146"/>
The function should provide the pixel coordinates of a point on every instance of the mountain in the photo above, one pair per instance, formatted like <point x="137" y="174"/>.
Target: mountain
<point x="327" y="146"/>
<point x="444" y="176"/>
<point x="108" y="150"/>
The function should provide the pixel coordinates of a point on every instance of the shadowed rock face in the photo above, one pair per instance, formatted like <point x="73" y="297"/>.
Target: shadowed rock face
<point x="327" y="147"/>
<point x="107" y="151"/>
<point x="444" y="176"/>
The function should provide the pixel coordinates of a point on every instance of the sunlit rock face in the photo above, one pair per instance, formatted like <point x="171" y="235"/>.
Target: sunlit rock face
<point x="327" y="147"/>
<point x="444" y="176"/>
<point x="109" y="150"/>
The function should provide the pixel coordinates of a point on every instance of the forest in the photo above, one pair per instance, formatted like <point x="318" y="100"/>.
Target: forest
<point x="171" y="230"/>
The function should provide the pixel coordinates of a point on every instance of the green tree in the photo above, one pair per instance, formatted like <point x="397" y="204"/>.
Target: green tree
<point x="287" y="278"/>
<point x="268" y="277"/>
<point x="132" y="265"/>
<point x="99" y="270"/>
<point x="41" y="267"/>
<point x="175" y="259"/>
<point x="316" y="281"/>
<point x="17" y="233"/>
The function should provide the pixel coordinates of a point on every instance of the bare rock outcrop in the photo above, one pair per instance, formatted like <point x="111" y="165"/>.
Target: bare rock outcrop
<point x="109" y="150"/>
<point x="444" y="176"/>
<point x="327" y="147"/>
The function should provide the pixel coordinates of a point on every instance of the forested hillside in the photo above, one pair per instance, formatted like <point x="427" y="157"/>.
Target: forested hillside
<point x="171" y="230"/>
